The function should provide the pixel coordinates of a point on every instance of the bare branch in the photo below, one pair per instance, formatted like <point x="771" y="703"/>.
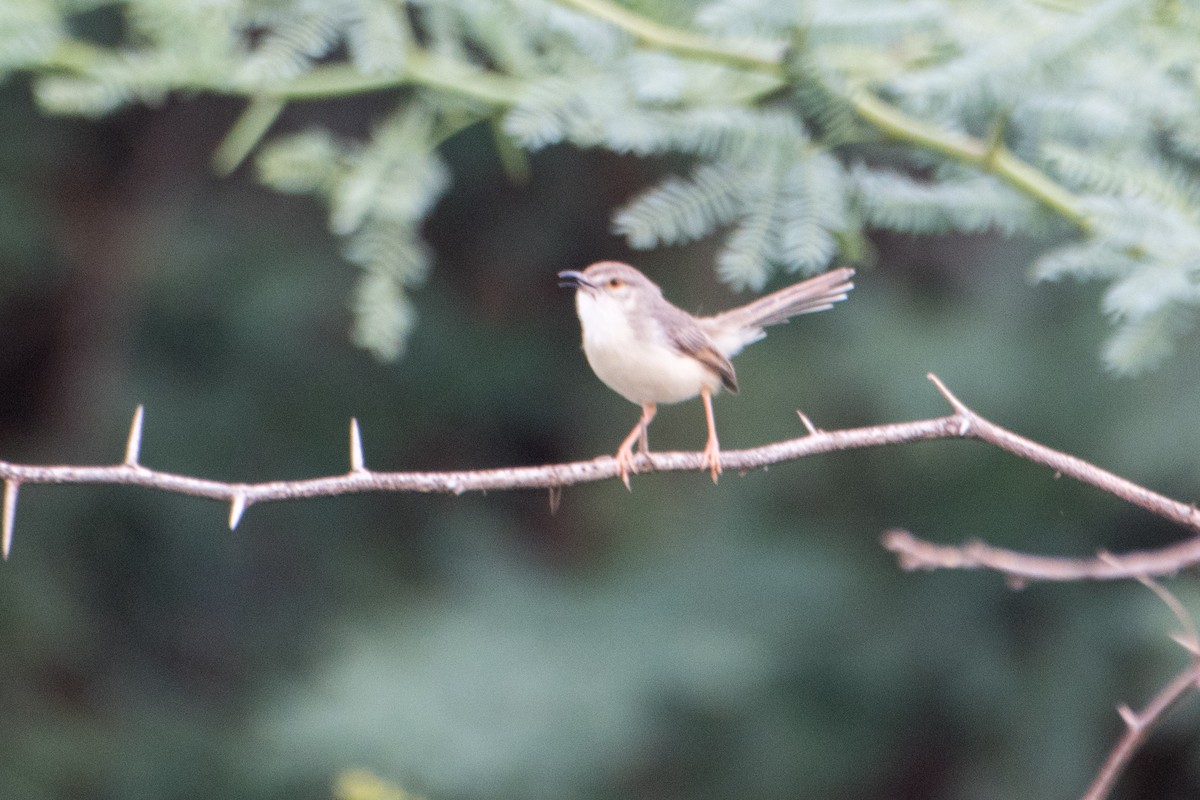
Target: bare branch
<point x="914" y="553"/>
<point x="1138" y="726"/>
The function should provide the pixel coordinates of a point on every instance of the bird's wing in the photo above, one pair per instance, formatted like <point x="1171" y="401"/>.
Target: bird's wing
<point x="689" y="338"/>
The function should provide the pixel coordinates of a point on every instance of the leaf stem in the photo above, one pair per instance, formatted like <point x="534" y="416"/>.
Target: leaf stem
<point x="761" y="55"/>
<point x="989" y="157"/>
<point x="891" y="121"/>
<point x="331" y="80"/>
<point x="421" y="67"/>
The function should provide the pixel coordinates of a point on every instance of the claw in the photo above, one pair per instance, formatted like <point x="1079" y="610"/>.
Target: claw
<point x="638" y="434"/>
<point x="625" y="463"/>
<point x="712" y="458"/>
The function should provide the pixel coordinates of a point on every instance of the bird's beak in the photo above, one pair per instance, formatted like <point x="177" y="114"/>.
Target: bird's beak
<point x="570" y="279"/>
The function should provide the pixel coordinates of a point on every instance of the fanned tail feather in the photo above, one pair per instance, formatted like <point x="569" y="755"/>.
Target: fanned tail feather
<point x="815" y="294"/>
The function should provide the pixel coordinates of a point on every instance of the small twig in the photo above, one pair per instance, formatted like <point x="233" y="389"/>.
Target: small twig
<point x="1137" y="728"/>
<point x="914" y="554"/>
<point x="1139" y="725"/>
<point x="1189" y="640"/>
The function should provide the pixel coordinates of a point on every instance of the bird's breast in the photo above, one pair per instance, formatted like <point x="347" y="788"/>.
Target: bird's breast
<point x="634" y="358"/>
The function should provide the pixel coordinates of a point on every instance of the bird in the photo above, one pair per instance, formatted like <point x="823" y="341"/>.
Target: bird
<point x="652" y="352"/>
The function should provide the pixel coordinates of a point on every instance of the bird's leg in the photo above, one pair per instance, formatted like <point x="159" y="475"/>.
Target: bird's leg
<point x="638" y="434"/>
<point x="712" y="449"/>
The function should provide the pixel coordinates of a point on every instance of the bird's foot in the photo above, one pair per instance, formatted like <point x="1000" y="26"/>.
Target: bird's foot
<point x="625" y="462"/>
<point x="712" y="458"/>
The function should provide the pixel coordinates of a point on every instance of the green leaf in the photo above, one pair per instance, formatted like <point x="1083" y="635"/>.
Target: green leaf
<point x="1143" y="344"/>
<point x="812" y="207"/>
<point x="681" y="210"/>
<point x="302" y="163"/>
<point x="378" y="37"/>
<point x="969" y="203"/>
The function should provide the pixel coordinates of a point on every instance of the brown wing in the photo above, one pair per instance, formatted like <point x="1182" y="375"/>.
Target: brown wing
<point x="691" y="339"/>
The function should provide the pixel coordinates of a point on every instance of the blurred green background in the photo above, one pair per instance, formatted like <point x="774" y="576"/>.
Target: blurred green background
<point x="685" y="640"/>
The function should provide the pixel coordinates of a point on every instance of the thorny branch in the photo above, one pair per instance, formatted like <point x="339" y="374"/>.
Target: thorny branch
<point x="913" y="553"/>
<point x="1139" y="724"/>
<point x="963" y="423"/>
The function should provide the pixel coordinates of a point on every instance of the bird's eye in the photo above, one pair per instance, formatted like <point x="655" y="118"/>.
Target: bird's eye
<point x="615" y="283"/>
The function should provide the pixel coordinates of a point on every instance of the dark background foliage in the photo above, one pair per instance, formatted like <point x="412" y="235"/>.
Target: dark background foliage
<point x="684" y="640"/>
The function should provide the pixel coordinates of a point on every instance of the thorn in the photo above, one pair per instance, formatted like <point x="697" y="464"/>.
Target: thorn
<point x="1187" y="642"/>
<point x="555" y="499"/>
<point x="1190" y="638"/>
<point x="1016" y="582"/>
<point x="357" y="464"/>
<point x="1130" y="718"/>
<point x="954" y="402"/>
<point x="237" y="507"/>
<point x="10" y="515"/>
<point x="813" y="430"/>
<point x="133" y="447"/>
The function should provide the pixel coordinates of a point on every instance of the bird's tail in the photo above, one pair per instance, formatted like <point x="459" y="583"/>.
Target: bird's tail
<point x="814" y="294"/>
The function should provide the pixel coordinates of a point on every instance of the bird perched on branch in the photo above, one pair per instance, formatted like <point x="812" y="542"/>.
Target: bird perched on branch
<point x="650" y="351"/>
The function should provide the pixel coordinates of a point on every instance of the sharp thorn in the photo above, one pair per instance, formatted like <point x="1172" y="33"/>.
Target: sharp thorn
<point x="10" y="515"/>
<point x="133" y="447"/>
<point x="1187" y="642"/>
<point x="954" y="402"/>
<point x="357" y="463"/>
<point x="1128" y="715"/>
<point x="237" y="507"/>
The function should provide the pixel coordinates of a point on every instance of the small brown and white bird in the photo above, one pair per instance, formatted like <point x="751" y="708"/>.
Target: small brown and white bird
<point x="650" y="351"/>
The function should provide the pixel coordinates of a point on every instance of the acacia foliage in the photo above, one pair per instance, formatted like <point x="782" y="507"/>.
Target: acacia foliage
<point x="759" y="98"/>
